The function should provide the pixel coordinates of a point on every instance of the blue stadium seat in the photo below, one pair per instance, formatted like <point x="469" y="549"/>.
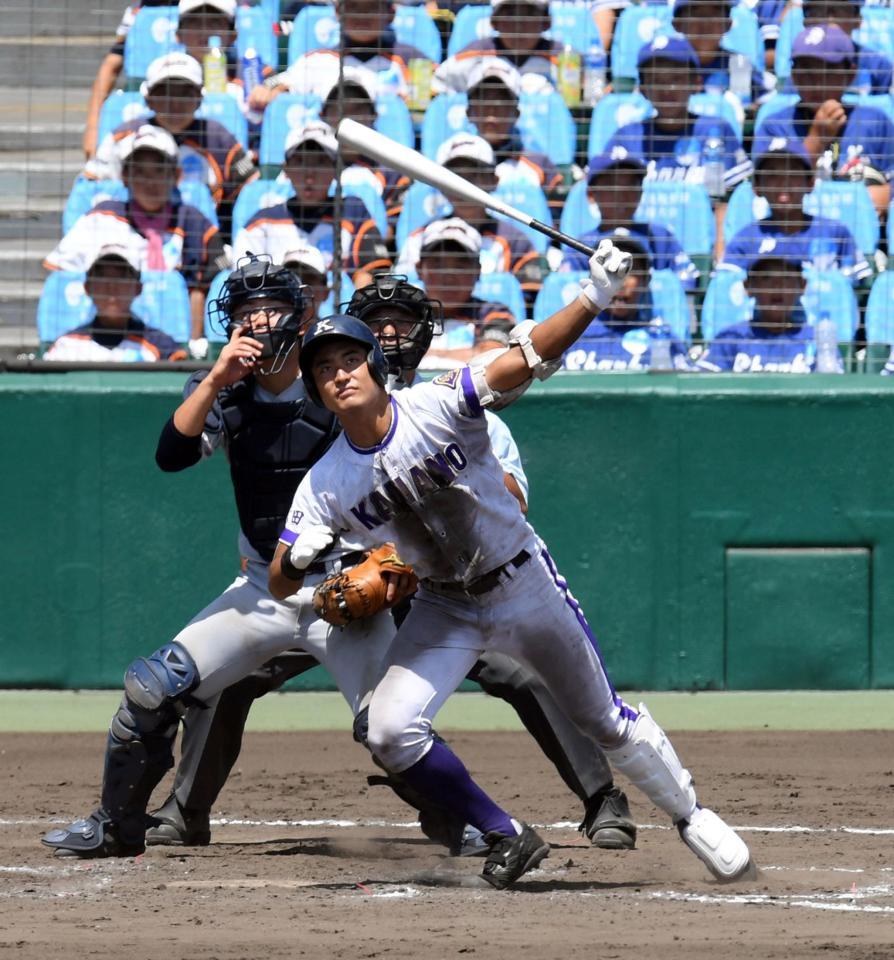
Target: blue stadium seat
<point x="254" y="29"/>
<point x="880" y="310"/>
<point x="86" y="194"/>
<point x="226" y="111"/>
<point x="744" y="36"/>
<point x="288" y="111"/>
<point x="727" y="302"/>
<point x="579" y="216"/>
<point x="153" y="34"/>
<point x="272" y="8"/>
<point x="876" y="30"/>
<point x="851" y="204"/>
<point x="472" y="23"/>
<point x="573" y="23"/>
<point x="197" y="194"/>
<point x="528" y="197"/>
<point x="421" y="205"/>
<point x="502" y="288"/>
<point x="329" y="306"/>
<point x="64" y="305"/>
<point x="779" y="101"/>
<point x="668" y="298"/>
<point x="685" y="209"/>
<point x="743" y="208"/>
<point x="444" y="116"/>
<point x="120" y="107"/>
<point x="316" y="28"/>
<point x="393" y="119"/>
<point x="712" y="105"/>
<point x="635" y="27"/>
<point x="372" y="199"/>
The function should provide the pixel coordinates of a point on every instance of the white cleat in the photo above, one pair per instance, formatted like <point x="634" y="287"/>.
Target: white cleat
<point x="717" y="845"/>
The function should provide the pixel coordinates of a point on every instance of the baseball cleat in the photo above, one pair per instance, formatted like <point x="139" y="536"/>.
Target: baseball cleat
<point x="175" y="827"/>
<point x="607" y="821"/>
<point x="717" y="845"/>
<point x="95" y="837"/>
<point x="510" y="857"/>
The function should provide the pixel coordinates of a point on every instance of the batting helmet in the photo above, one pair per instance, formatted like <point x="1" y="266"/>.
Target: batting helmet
<point x="341" y="327"/>
<point x="370" y="303"/>
<point x="258" y="280"/>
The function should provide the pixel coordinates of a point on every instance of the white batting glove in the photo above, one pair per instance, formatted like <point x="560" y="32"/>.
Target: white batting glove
<point x="312" y="541"/>
<point x="608" y="267"/>
<point x="198" y="348"/>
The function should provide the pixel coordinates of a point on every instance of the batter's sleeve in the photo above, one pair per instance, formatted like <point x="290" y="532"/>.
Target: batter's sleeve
<point x="506" y="450"/>
<point x="311" y="507"/>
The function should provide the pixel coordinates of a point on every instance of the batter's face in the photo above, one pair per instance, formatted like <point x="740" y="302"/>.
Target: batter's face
<point x="150" y="176"/>
<point x="342" y="376"/>
<point x="310" y="170"/>
<point x="174" y="103"/>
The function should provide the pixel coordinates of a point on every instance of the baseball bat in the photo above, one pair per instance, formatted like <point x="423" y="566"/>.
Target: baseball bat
<point x="395" y="155"/>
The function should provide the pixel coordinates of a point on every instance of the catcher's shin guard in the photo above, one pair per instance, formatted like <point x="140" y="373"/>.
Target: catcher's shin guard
<point x="141" y="736"/>
<point x="650" y="762"/>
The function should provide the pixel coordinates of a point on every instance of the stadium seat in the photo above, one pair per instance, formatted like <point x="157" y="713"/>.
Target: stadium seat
<point x="616" y="110"/>
<point x="472" y="23"/>
<point x="880" y="310"/>
<point x="64" y="305"/>
<point x="196" y="194"/>
<point x="153" y="34"/>
<point x="86" y="194"/>
<point x="573" y="23"/>
<point x="743" y="208"/>
<point x="217" y="335"/>
<point x="254" y="29"/>
<point x="316" y="28"/>
<point x="272" y="8"/>
<point x="668" y="298"/>
<point x="421" y="204"/>
<point x="851" y="204"/>
<point x="226" y="111"/>
<point x="727" y="302"/>
<point x="635" y="27"/>
<point x="444" y="116"/>
<point x="527" y="196"/>
<point x="502" y="288"/>
<point x="125" y="105"/>
<point x="779" y="101"/>
<point x="579" y="216"/>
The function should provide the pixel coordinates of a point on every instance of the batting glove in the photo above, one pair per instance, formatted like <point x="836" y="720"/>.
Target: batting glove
<point x="608" y="267"/>
<point x="300" y="555"/>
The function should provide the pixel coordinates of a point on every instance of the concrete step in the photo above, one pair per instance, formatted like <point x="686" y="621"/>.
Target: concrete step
<point x="21" y="260"/>
<point x="19" y="224"/>
<point x="42" y="118"/>
<point x="37" y="184"/>
<point x="41" y="136"/>
<point x="28" y="19"/>
<point x="28" y="62"/>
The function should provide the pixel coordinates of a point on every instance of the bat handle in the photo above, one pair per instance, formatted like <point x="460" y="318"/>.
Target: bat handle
<point x="562" y="238"/>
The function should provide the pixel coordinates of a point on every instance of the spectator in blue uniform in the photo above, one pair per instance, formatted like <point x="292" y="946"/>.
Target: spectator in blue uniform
<point x="777" y="338"/>
<point x="615" y="185"/>
<point x="783" y="176"/>
<point x="843" y="140"/>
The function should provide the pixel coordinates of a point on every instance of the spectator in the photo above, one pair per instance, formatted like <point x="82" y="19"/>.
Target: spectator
<point x="309" y="267"/>
<point x="605" y="14"/>
<point x="770" y="14"/>
<point x="307" y="219"/>
<point x="114" y="334"/>
<point x="874" y="69"/>
<point x="519" y="27"/>
<point x="777" y="338"/>
<point x="209" y="153"/>
<point x="162" y="231"/>
<point x="504" y="248"/>
<point x="199" y="20"/>
<point x="369" y="42"/>
<point x="621" y="336"/>
<point x="615" y="185"/>
<point x="784" y="177"/>
<point x="845" y="141"/>
<point x="449" y="269"/>
<point x="107" y="75"/>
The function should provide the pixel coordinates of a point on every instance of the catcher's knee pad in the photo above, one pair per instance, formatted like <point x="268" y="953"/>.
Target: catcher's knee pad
<point x="649" y="760"/>
<point x="169" y="674"/>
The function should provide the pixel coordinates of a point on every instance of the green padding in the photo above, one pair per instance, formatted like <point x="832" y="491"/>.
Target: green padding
<point x="639" y="484"/>
<point x="777" y="600"/>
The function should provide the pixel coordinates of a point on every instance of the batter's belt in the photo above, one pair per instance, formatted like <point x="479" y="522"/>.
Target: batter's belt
<point x="479" y="585"/>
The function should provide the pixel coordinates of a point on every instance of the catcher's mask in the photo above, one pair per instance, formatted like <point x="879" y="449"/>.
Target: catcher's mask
<point x="257" y="280"/>
<point x="404" y="350"/>
<point x="341" y="327"/>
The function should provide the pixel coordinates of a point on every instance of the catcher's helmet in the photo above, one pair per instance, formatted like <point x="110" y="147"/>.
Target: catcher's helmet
<point x="342" y="327"/>
<point x="256" y="280"/>
<point x="406" y="351"/>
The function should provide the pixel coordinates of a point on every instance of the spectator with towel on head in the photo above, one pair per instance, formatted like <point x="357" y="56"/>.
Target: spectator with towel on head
<point x="309" y="267"/>
<point x="163" y="232"/>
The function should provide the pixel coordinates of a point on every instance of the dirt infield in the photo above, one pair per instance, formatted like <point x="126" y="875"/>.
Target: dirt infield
<point x="361" y="881"/>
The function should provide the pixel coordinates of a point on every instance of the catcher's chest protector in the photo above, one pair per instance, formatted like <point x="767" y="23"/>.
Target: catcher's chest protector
<point x="271" y="447"/>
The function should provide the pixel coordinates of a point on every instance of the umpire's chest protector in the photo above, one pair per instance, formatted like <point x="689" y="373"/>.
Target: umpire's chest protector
<point x="271" y="447"/>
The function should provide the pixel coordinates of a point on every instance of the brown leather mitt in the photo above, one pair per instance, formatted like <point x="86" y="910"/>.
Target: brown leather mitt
<point x="360" y="591"/>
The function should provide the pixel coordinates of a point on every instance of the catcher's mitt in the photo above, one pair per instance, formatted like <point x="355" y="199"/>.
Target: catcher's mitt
<point x="360" y="592"/>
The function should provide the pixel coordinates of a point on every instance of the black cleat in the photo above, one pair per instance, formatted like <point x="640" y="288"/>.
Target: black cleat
<point x="510" y="857"/>
<point x="172" y="826"/>
<point x="607" y="821"/>
<point x="91" y="839"/>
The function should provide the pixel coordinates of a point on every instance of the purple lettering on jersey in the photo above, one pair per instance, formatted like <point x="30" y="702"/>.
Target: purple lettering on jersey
<point x="439" y="470"/>
<point x="379" y="502"/>
<point x="456" y="457"/>
<point x="422" y="481"/>
<point x="364" y="517"/>
<point x="398" y="493"/>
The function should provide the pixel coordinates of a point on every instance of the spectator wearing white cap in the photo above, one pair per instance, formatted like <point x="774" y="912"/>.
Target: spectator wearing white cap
<point x="209" y="153"/>
<point x="504" y="248"/>
<point x="308" y="218"/>
<point x="309" y="267"/>
<point x="519" y="27"/>
<point x="200" y="20"/>
<point x="162" y="231"/>
<point x="114" y="334"/>
<point x="449" y="269"/>
<point x="369" y="42"/>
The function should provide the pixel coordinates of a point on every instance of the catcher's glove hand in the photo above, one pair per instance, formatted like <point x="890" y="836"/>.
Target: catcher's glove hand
<point x="379" y="581"/>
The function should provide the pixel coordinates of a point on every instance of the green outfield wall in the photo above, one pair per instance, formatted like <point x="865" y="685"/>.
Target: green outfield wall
<point x="720" y="532"/>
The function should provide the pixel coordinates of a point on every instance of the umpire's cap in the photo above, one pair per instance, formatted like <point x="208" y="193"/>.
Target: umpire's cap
<point x="341" y="327"/>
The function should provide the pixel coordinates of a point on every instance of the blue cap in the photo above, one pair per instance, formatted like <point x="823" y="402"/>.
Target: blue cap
<point x="668" y="47"/>
<point x="616" y="157"/>
<point x="783" y="146"/>
<point x="826" y="42"/>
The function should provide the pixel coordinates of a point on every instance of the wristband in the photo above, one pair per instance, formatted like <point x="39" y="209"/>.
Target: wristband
<point x="288" y="569"/>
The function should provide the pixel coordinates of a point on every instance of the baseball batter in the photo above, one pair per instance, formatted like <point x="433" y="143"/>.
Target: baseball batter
<point x="415" y="467"/>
